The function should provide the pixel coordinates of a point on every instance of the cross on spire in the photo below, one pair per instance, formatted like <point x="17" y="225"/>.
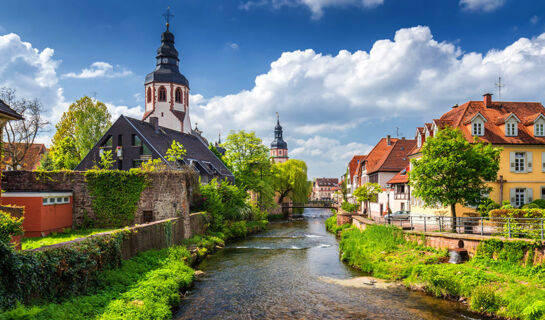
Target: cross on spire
<point x="499" y="85"/>
<point x="167" y="15"/>
<point x="277" y="118"/>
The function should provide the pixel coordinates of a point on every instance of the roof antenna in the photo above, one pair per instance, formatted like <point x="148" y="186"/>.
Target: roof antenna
<point x="499" y="85"/>
<point x="167" y="16"/>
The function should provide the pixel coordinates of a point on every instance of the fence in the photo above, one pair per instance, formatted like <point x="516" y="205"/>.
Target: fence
<point x="532" y="228"/>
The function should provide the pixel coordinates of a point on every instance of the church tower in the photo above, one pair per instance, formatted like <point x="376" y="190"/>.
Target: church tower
<point x="279" y="147"/>
<point x="167" y="90"/>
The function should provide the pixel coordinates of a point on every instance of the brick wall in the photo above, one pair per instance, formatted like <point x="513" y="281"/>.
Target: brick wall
<point x="169" y="194"/>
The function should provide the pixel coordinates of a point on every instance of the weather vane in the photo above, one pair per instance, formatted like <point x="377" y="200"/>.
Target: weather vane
<point x="167" y="16"/>
<point x="499" y="85"/>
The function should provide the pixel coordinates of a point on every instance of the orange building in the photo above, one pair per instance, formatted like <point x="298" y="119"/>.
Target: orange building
<point x="45" y="212"/>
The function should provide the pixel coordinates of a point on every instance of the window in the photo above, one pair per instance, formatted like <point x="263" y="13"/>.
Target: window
<point x="119" y="140"/>
<point x="145" y="150"/>
<point x="539" y="129"/>
<point x="149" y="95"/>
<point x="186" y="98"/>
<point x="55" y="200"/>
<point x="108" y="142"/>
<point x="178" y="96"/>
<point x="477" y="129"/>
<point x="543" y="193"/>
<point x="511" y="129"/>
<point x="419" y="142"/>
<point x="162" y="94"/>
<point x="136" y="142"/>
<point x="519" y="161"/>
<point x="520" y="197"/>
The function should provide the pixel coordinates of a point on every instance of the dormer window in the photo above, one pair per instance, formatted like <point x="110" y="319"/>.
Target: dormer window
<point x="419" y="140"/>
<point x="511" y="129"/>
<point x="478" y="129"/>
<point x="162" y="94"/>
<point x="539" y="129"/>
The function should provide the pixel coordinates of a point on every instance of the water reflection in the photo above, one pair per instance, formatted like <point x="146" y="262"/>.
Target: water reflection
<point x="278" y="274"/>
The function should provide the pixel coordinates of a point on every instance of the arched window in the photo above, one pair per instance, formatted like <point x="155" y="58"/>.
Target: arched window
<point x="178" y="97"/>
<point x="187" y="97"/>
<point x="162" y="94"/>
<point x="149" y="95"/>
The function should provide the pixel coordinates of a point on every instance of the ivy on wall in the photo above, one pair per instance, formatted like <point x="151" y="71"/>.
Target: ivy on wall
<point x="115" y="195"/>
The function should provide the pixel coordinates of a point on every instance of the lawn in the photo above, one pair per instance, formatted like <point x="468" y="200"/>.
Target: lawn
<point x="53" y="238"/>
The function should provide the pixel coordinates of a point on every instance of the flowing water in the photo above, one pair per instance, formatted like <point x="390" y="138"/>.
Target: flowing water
<point x="282" y="274"/>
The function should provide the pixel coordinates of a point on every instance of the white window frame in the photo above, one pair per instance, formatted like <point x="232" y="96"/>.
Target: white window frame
<point x="539" y="129"/>
<point x="520" y="197"/>
<point x="511" y="129"/>
<point x="520" y="162"/>
<point x="477" y="128"/>
<point x="49" y="201"/>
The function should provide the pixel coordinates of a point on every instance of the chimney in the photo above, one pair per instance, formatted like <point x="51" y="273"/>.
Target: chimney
<point x="388" y="140"/>
<point x="455" y="106"/>
<point x="155" y="123"/>
<point x="487" y="100"/>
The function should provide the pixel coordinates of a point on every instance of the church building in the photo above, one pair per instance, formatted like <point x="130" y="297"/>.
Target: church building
<point x="166" y="119"/>
<point x="279" y="147"/>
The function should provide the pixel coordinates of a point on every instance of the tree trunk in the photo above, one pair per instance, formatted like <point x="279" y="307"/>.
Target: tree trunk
<point x="453" y="213"/>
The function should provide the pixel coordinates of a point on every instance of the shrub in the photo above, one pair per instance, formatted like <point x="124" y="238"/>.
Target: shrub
<point x="540" y="203"/>
<point x="530" y="206"/>
<point x="9" y="226"/>
<point x="484" y="299"/>
<point x="349" y="207"/>
<point x="331" y="225"/>
<point x="486" y="205"/>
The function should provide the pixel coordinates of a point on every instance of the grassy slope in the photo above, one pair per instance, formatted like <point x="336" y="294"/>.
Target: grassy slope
<point x="503" y="288"/>
<point x="54" y="238"/>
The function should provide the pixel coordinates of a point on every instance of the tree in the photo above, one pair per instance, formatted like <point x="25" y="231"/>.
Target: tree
<point x="63" y="155"/>
<point x="249" y="161"/>
<point x="85" y="123"/>
<point x="454" y="171"/>
<point x="19" y="136"/>
<point x="367" y="192"/>
<point x="106" y="160"/>
<point x="290" y="180"/>
<point x="176" y="152"/>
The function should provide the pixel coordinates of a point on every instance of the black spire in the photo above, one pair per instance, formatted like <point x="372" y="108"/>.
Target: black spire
<point x="278" y="142"/>
<point x="166" y="69"/>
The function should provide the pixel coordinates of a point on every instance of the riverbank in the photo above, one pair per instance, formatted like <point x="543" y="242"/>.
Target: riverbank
<point x="501" y="280"/>
<point x="147" y="286"/>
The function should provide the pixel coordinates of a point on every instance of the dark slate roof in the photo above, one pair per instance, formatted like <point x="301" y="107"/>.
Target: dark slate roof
<point x="196" y="149"/>
<point x="8" y="112"/>
<point x="167" y="71"/>
<point x="279" y="144"/>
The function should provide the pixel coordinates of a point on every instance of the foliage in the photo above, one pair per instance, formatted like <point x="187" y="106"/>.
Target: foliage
<point x="486" y="206"/>
<point x="453" y="171"/>
<point x="19" y="136"/>
<point x="115" y="195"/>
<point x="9" y="226"/>
<point x="248" y="159"/>
<point x="540" y="203"/>
<point x="176" y="152"/>
<point x="64" y="154"/>
<point x="106" y="160"/>
<point x="368" y="192"/>
<point x="519" y="228"/>
<point x="84" y="123"/>
<point x="46" y="162"/>
<point x="53" y="238"/>
<point x="290" y="180"/>
<point x="331" y="225"/>
<point x="216" y="152"/>
<point x="349" y="207"/>
<point x="57" y="272"/>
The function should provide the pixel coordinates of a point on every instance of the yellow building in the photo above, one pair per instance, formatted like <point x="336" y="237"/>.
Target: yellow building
<point x="518" y="128"/>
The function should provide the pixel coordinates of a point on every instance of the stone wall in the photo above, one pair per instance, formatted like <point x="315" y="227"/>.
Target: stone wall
<point x="154" y="235"/>
<point x="168" y="195"/>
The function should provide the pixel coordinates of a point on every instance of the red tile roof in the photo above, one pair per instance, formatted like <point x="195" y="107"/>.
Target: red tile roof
<point x="353" y="165"/>
<point x="402" y="177"/>
<point x="495" y="115"/>
<point x="391" y="157"/>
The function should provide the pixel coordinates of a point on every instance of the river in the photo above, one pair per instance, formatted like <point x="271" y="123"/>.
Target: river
<point x="283" y="273"/>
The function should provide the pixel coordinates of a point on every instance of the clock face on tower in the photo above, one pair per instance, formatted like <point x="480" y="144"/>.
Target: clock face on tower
<point x="165" y="60"/>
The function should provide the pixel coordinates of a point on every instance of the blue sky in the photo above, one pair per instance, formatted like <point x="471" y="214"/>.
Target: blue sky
<point x="342" y="73"/>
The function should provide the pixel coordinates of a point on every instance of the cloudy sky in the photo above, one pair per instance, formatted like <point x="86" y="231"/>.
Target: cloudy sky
<point x="341" y="73"/>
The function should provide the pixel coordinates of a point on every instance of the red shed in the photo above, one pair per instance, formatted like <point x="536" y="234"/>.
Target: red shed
<point x="45" y="212"/>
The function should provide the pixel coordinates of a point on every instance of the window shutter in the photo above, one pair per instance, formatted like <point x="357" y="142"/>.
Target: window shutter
<point x="529" y="158"/>
<point x="542" y="194"/>
<point x="529" y="195"/>
<point x="512" y="161"/>
<point x="543" y="161"/>
<point x="512" y="196"/>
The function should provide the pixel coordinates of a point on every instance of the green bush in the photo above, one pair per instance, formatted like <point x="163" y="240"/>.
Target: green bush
<point x="540" y="203"/>
<point x="9" y="226"/>
<point x="484" y="299"/>
<point x="58" y="272"/>
<point x="331" y="225"/>
<point x="115" y="195"/>
<point x="519" y="228"/>
<point x="486" y="206"/>
<point x="349" y="207"/>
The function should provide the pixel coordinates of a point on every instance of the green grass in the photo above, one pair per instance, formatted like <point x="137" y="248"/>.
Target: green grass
<point x="54" y="238"/>
<point x="331" y="225"/>
<point x="495" y="285"/>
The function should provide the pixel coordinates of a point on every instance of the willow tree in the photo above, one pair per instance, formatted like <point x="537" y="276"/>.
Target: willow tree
<point x="454" y="171"/>
<point x="290" y="180"/>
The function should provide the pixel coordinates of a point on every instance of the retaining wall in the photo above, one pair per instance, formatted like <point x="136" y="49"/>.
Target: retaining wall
<point x="154" y="235"/>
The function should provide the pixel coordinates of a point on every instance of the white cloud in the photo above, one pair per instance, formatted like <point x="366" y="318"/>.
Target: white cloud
<point x="481" y="5"/>
<point x="99" y="69"/>
<point x="338" y="96"/>
<point x="116" y="111"/>
<point x="232" y="45"/>
<point x="316" y="6"/>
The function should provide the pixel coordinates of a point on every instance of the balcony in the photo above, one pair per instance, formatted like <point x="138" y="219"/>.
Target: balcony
<point x="401" y="196"/>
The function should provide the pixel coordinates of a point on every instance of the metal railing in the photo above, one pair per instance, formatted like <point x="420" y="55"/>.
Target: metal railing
<point x="531" y="228"/>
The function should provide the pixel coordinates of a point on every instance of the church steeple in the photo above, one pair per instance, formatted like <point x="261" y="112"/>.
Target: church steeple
<point x="279" y="147"/>
<point x="167" y="90"/>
